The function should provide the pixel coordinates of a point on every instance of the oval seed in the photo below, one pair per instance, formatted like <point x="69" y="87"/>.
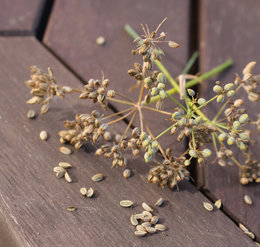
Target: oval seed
<point x="97" y="177"/>
<point x="107" y="136"/>
<point x="65" y="164"/>
<point x="218" y="204"/>
<point x="44" y="135"/>
<point x="140" y="228"/>
<point x="71" y="208"/>
<point x="58" y="169"/>
<point x="207" y="206"/>
<point x="248" y="200"/>
<point x="145" y="224"/>
<point x="159" y="203"/>
<point x="250" y="234"/>
<point x="150" y="229"/>
<point x="83" y="191"/>
<point x="65" y="150"/>
<point x="68" y="178"/>
<point x="140" y="234"/>
<point x="146" y="207"/>
<point x="147" y="216"/>
<point x="126" y="203"/>
<point x="133" y="220"/>
<point x="160" y="227"/>
<point x="243" y="228"/>
<point x="31" y="114"/>
<point x="90" y="192"/>
<point x="126" y="173"/>
<point x="100" y="40"/>
<point x="60" y="174"/>
<point x="138" y="216"/>
<point x="154" y="220"/>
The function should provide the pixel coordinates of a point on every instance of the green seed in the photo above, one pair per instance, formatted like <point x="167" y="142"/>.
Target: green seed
<point x="163" y="94"/>
<point x="230" y="140"/>
<point x="243" y="118"/>
<point x="220" y="98"/>
<point x="193" y="154"/>
<point x="191" y="92"/>
<point x="206" y="152"/>
<point x="161" y="78"/>
<point x="236" y="125"/>
<point x="230" y="93"/>
<point x="222" y="137"/>
<point x="229" y="86"/>
<point x="147" y="157"/>
<point x="217" y="89"/>
<point x="201" y="101"/>
<point x="187" y="162"/>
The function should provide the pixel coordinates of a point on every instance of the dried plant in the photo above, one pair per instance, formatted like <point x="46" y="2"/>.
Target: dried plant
<point x="228" y="129"/>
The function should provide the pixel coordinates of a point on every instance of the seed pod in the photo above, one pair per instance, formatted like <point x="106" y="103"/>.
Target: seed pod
<point x="220" y="98"/>
<point x="206" y="152"/>
<point x="140" y="234"/>
<point x="107" y="136"/>
<point x="222" y="137"/>
<point x="191" y="92"/>
<point x="58" y="169"/>
<point x="147" y="157"/>
<point x="187" y="162"/>
<point x="100" y="40"/>
<point x="71" y="208"/>
<point x="230" y="140"/>
<point x="249" y="67"/>
<point x="97" y="177"/>
<point x="228" y="112"/>
<point x="146" y="207"/>
<point x="150" y="229"/>
<point x="173" y="44"/>
<point x="207" y="206"/>
<point x="60" y="174"/>
<point x="126" y="203"/>
<point x="229" y="86"/>
<point x="243" y="228"/>
<point x="238" y="102"/>
<point x="111" y="93"/>
<point x="43" y="135"/>
<point x="161" y="78"/>
<point x="154" y="220"/>
<point x="31" y="114"/>
<point x="67" y="177"/>
<point x="230" y="93"/>
<point x="243" y="118"/>
<point x="193" y="154"/>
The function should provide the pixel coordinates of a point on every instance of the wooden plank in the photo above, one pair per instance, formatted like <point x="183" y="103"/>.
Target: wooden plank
<point x="34" y="202"/>
<point x="229" y="31"/>
<point x="18" y="16"/>
<point x="74" y="27"/>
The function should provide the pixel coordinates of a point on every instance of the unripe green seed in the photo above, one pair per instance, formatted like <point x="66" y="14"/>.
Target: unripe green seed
<point x="154" y="91"/>
<point x="201" y="101"/>
<point x="243" y="118"/>
<point x="220" y="98"/>
<point x="148" y="82"/>
<point x="236" y="125"/>
<point x="147" y="157"/>
<point x="182" y="122"/>
<point x="193" y="154"/>
<point x="230" y="93"/>
<point x="187" y="162"/>
<point x="244" y="136"/>
<point x="146" y="142"/>
<point x="155" y="144"/>
<point x="191" y="92"/>
<point x="176" y="115"/>
<point x="241" y="145"/>
<point x="162" y="94"/>
<point x="161" y="78"/>
<point x="206" y="152"/>
<point x="143" y="135"/>
<point x="222" y="137"/>
<point x="200" y="160"/>
<point x="229" y="86"/>
<point x="230" y="140"/>
<point x="198" y="120"/>
<point x="238" y="102"/>
<point x="151" y="151"/>
<point x="217" y="89"/>
<point x="160" y="86"/>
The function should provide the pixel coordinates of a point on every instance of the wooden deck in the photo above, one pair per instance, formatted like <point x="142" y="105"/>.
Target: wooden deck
<point x="33" y="201"/>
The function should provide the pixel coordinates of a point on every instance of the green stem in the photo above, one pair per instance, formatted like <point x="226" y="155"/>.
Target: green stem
<point x="190" y="63"/>
<point x="219" y="112"/>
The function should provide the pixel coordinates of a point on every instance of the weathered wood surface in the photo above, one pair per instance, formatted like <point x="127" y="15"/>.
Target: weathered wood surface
<point x="33" y="201"/>
<point x="74" y="27"/>
<point x="229" y="29"/>
<point x="18" y="16"/>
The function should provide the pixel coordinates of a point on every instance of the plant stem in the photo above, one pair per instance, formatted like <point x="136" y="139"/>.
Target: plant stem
<point x="118" y="113"/>
<point x="156" y="110"/>
<point x="128" y="126"/>
<point x="177" y="103"/>
<point x="190" y="63"/>
<point x="120" y="101"/>
<point x="124" y="97"/>
<point x="141" y="119"/>
<point x="219" y="112"/>
<point x="121" y="118"/>
<point x="77" y="90"/>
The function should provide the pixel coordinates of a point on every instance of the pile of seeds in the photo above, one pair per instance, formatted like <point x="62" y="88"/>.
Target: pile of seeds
<point x="61" y="171"/>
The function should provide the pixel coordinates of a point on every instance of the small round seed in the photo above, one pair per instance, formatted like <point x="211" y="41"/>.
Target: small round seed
<point x="107" y="136"/>
<point x="100" y="40"/>
<point x="126" y="203"/>
<point x="65" y="150"/>
<point x="71" y="208"/>
<point x="146" y="207"/>
<point x="31" y="114"/>
<point x="44" y="135"/>
<point x="118" y="138"/>
<point x="207" y="206"/>
<point x="97" y="177"/>
<point x="65" y="164"/>
<point x="133" y="220"/>
<point x="140" y="234"/>
<point x="218" y="204"/>
<point x="83" y="191"/>
<point x="160" y="227"/>
<point x="90" y="192"/>
<point x="126" y="173"/>
<point x="248" y="200"/>
<point x="159" y="203"/>
<point x="67" y="177"/>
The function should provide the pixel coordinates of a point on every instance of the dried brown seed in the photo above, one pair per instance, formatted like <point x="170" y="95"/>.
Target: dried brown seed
<point x="140" y="228"/>
<point x="100" y="40"/>
<point x="107" y="136"/>
<point x="44" y="135"/>
<point x="243" y="228"/>
<point x="118" y="138"/>
<point x="65" y="164"/>
<point x="207" y="206"/>
<point x="67" y="177"/>
<point x="218" y="203"/>
<point x="151" y="229"/>
<point x="126" y="203"/>
<point x="159" y="203"/>
<point x="160" y="227"/>
<point x="154" y="220"/>
<point x="90" y="192"/>
<point x="126" y="173"/>
<point x="146" y="207"/>
<point x="249" y="67"/>
<point x="71" y="208"/>
<point x="31" y="114"/>
<point x="83" y="191"/>
<point x="133" y="220"/>
<point x="60" y="174"/>
<point x="173" y="44"/>
<point x="248" y="200"/>
<point x="140" y="234"/>
<point x="97" y="177"/>
<point x="65" y="150"/>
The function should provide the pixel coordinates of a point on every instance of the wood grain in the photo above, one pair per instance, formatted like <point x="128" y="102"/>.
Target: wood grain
<point x="18" y="16"/>
<point x="228" y="31"/>
<point x="74" y="27"/>
<point x="34" y="202"/>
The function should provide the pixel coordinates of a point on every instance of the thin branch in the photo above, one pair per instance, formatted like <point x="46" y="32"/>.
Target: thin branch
<point x="121" y="118"/>
<point x="156" y="110"/>
<point x="124" y="97"/>
<point x="118" y="113"/>
<point x="120" y="101"/>
<point x="128" y="126"/>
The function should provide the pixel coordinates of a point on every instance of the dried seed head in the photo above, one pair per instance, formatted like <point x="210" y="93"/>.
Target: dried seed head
<point x="65" y="150"/>
<point x="218" y="203"/>
<point x="31" y="114"/>
<point x="67" y="177"/>
<point x="100" y="40"/>
<point x="248" y="200"/>
<point x="126" y="173"/>
<point x="207" y="206"/>
<point x="83" y="191"/>
<point x="97" y="177"/>
<point x="126" y="203"/>
<point x="43" y="135"/>
<point x="159" y="202"/>
<point x="146" y="207"/>
<point x="65" y="164"/>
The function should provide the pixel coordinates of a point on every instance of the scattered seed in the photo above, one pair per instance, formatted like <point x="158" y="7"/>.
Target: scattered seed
<point x="218" y="203"/>
<point x="147" y="216"/>
<point x="133" y="220"/>
<point x="67" y="177"/>
<point x="159" y="203"/>
<point x="127" y="173"/>
<point x="140" y="234"/>
<point x="138" y="216"/>
<point x="44" y="135"/>
<point x="250" y="234"/>
<point x="58" y="169"/>
<point x="71" y="208"/>
<point x="31" y="114"/>
<point x="207" y="206"/>
<point x="97" y="177"/>
<point x="150" y="229"/>
<point x="154" y="220"/>
<point x="60" y="174"/>
<point x="90" y="192"/>
<point x="160" y="227"/>
<point x="126" y="203"/>
<point x="248" y="200"/>
<point x="83" y="191"/>
<point x="243" y="228"/>
<point x="140" y="228"/>
<point x="65" y="150"/>
<point x="146" y="207"/>
<point x="100" y="40"/>
<point x="65" y="164"/>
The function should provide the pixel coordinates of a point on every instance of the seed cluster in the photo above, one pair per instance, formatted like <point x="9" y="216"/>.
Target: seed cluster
<point x="61" y="171"/>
